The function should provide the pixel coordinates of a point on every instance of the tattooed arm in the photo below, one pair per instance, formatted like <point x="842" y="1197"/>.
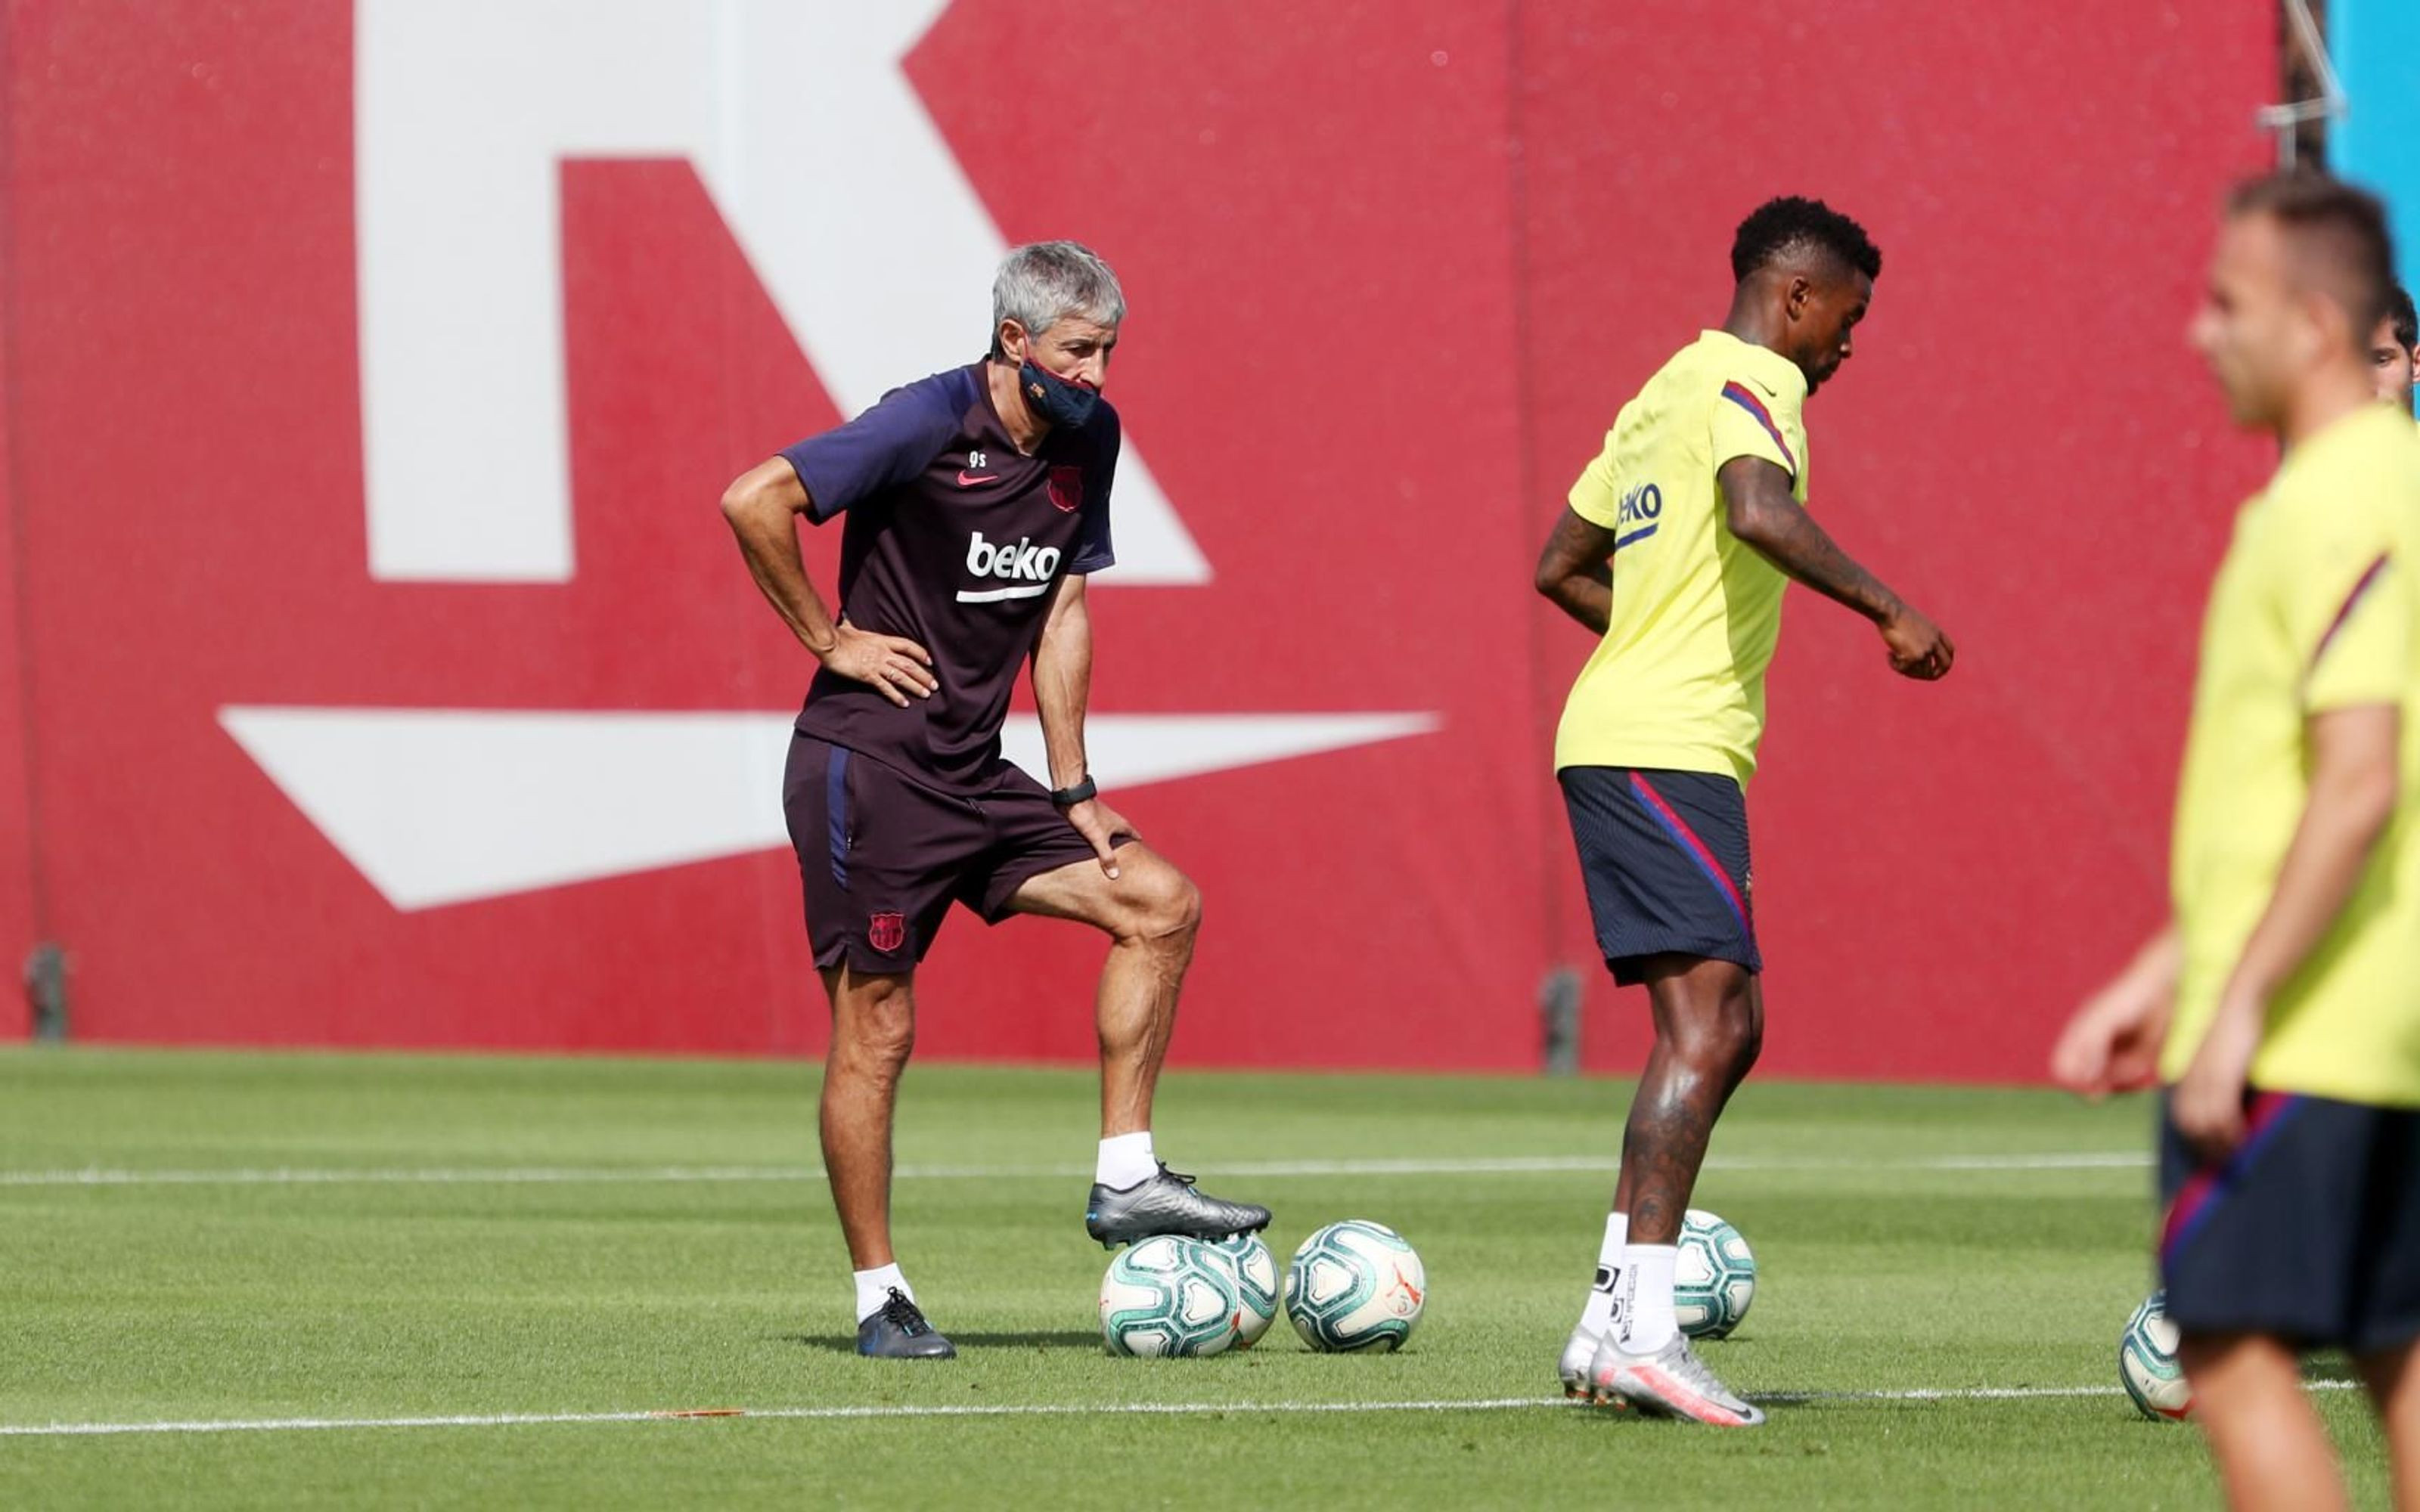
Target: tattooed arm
<point x="1759" y="511"/>
<point x="1575" y="570"/>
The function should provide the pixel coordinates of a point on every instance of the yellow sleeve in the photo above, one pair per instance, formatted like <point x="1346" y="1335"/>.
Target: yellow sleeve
<point x="1751" y="419"/>
<point x="1593" y="496"/>
<point x="2349" y="604"/>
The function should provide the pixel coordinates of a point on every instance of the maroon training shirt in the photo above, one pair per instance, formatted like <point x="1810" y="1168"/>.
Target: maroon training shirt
<point x="954" y="540"/>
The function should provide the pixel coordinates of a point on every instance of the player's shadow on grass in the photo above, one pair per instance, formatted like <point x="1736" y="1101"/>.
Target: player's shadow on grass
<point x="1068" y="1338"/>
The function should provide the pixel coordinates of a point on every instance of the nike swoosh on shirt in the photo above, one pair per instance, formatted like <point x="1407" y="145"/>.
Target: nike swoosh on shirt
<point x="967" y="480"/>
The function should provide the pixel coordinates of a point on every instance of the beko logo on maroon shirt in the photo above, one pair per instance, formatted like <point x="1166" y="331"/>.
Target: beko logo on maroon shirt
<point x="1029" y="566"/>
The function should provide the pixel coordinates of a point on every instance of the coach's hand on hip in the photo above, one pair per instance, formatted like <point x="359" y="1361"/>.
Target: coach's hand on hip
<point x="1098" y="823"/>
<point x="895" y="664"/>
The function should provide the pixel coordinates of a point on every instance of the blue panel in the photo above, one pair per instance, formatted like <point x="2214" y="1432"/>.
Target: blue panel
<point x="2377" y="48"/>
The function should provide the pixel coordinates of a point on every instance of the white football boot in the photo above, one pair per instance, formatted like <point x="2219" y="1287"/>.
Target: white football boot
<point x="1667" y="1383"/>
<point x="1579" y="1351"/>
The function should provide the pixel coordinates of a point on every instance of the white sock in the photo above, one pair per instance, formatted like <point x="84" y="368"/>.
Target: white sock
<point x="1125" y="1159"/>
<point x="1652" y="1324"/>
<point x="874" y="1288"/>
<point x="1604" y="1296"/>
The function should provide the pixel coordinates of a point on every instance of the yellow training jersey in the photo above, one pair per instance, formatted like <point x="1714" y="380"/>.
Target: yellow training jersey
<point x="2316" y="608"/>
<point x="1679" y="680"/>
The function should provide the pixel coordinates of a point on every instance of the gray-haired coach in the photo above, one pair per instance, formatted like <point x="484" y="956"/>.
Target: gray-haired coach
<point x="977" y="501"/>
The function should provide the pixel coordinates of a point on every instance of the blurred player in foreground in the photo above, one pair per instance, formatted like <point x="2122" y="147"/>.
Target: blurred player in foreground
<point x="2282" y="1009"/>
<point x="1675" y="548"/>
<point x="2395" y="351"/>
<point x="978" y="501"/>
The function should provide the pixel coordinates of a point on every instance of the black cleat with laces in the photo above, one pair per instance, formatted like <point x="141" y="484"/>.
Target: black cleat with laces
<point x="899" y="1332"/>
<point x="1166" y="1203"/>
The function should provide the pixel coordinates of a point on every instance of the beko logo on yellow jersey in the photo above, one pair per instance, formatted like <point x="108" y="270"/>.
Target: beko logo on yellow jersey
<point x="1640" y="508"/>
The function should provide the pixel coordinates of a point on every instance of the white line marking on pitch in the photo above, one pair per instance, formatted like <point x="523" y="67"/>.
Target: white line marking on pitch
<point x="1977" y="1394"/>
<point x="1483" y="1404"/>
<point x="554" y="1175"/>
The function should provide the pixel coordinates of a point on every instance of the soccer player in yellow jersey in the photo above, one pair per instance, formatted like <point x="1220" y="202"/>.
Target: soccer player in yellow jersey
<point x="2395" y="351"/>
<point x="1678" y="542"/>
<point x="2282" y="1009"/>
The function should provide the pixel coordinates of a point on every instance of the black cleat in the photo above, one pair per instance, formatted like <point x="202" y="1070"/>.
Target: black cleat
<point x="899" y="1332"/>
<point x="1166" y="1204"/>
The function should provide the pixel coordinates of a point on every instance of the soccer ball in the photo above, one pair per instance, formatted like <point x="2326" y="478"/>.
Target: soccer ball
<point x="1169" y="1295"/>
<point x="1256" y="1286"/>
<point x="1713" y="1278"/>
<point x="1355" y="1285"/>
<point x="2147" y="1362"/>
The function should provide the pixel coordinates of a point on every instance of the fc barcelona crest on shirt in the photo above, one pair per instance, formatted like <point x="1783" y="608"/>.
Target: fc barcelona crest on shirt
<point x="1067" y="489"/>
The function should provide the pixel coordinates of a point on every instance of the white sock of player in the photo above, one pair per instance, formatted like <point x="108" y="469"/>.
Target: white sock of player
<point x="1605" y="1293"/>
<point x="1651" y="1323"/>
<point x="1125" y="1159"/>
<point x="874" y="1288"/>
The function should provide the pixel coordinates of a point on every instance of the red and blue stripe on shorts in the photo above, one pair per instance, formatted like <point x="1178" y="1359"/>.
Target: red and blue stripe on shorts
<point x="2199" y="1199"/>
<point x="1668" y="820"/>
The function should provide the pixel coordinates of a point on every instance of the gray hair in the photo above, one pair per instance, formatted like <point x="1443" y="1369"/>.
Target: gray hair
<point x="1044" y="282"/>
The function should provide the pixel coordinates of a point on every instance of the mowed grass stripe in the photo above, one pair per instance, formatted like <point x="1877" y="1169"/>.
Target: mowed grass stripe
<point x="1509" y="1166"/>
<point x="1485" y="1404"/>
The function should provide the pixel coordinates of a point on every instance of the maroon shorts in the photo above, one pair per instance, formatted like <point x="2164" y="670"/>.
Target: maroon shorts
<point x="883" y="854"/>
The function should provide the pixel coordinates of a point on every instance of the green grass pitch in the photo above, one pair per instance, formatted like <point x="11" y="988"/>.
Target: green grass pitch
<point x="214" y="1239"/>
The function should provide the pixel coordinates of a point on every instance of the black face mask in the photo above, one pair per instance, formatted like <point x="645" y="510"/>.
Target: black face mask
<point x="1061" y="401"/>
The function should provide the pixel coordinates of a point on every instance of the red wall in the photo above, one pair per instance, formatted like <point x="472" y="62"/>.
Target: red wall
<point x="1392" y="269"/>
<point x="19" y="924"/>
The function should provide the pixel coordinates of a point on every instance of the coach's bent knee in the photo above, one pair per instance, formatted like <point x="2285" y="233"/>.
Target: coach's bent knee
<point x="1167" y="907"/>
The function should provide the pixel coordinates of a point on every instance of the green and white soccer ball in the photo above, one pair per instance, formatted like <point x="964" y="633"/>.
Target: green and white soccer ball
<point x="1355" y="1286"/>
<point x="2147" y="1362"/>
<point x="1713" y="1278"/>
<point x="1256" y="1286"/>
<point x="1166" y="1296"/>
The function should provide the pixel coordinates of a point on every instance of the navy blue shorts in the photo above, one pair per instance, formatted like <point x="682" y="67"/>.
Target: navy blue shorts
<point x="1665" y="858"/>
<point x="883" y="856"/>
<point x="2310" y="1233"/>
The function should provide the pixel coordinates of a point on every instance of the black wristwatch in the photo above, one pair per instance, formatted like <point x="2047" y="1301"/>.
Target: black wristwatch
<point x="1084" y="792"/>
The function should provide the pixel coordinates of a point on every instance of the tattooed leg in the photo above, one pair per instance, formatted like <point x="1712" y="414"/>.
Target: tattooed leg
<point x="1709" y="1024"/>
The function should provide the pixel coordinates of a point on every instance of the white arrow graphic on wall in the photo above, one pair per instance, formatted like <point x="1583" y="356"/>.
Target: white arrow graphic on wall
<point x="449" y="805"/>
<point x="801" y="122"/>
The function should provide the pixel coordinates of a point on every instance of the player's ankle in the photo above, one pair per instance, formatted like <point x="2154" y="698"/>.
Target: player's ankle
<point x="1604" y="1297"/>
<point x="1126" y="1160"/>
<point x="874" y="1288"/>
<point x="1651" y="1322"/>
